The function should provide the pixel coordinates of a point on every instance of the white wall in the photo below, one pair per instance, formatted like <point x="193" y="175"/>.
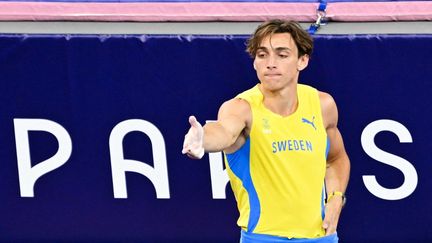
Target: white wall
<point x="204" y="28"/>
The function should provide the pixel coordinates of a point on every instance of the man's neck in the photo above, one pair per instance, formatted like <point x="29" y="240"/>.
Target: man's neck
<point x="283" y="102"/>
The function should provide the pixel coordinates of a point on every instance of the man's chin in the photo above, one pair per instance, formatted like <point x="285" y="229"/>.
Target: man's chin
<point x="271" y="85"/>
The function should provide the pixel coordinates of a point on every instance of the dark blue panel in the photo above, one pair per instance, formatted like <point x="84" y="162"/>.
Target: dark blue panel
<point x="380" y="77"/>
<point x="89" y="84"/>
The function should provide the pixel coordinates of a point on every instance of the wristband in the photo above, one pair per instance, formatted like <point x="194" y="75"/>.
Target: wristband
<point x="336" y="193"/>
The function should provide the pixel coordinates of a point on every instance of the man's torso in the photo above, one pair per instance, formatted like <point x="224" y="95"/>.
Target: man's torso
<point x="278" y="173"/>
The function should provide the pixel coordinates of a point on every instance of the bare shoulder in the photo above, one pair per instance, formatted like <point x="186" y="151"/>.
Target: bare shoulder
<point x="238" y="108"/>
<point x="236" y="105"/>
<point x="328" y="109"/>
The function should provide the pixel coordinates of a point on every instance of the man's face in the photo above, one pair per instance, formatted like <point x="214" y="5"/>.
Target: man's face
<point x="277" y="63"/>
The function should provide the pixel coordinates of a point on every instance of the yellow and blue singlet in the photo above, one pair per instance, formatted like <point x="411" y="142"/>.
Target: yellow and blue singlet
<point x="277" y="176"/>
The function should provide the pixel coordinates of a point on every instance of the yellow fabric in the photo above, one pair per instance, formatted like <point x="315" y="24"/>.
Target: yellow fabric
<point x="287" y="163"/>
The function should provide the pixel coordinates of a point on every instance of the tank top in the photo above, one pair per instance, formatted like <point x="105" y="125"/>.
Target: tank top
<point x="277" y="176"/>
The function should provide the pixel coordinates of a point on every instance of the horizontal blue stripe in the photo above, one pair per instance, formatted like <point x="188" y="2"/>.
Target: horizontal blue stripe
<point x="247" y="237"/>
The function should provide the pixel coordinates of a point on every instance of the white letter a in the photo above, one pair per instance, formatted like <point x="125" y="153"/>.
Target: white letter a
<point x="158" y="174"/>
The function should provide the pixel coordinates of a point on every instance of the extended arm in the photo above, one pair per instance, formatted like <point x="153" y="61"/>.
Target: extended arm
<point x="338" y="164"/>
<point x="233" y="117"/>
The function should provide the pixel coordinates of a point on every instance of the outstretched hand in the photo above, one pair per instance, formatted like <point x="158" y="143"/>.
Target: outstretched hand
<point x="193" y="143"/>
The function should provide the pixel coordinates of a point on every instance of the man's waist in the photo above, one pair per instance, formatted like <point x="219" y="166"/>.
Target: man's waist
<point x="249" y="237"/>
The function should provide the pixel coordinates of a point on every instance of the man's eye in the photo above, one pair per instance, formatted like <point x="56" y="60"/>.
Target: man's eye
<point x="283" y="55"/>
<point x="261" y="55"/>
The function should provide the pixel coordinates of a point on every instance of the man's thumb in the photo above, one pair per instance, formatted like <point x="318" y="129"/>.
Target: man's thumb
<point x="193" y="121"/>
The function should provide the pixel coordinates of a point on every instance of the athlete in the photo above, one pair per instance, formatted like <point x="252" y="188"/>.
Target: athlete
<point x="284" y="154"/>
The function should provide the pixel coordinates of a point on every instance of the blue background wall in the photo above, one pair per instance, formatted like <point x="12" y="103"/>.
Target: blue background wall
<point x="89" y="84"/>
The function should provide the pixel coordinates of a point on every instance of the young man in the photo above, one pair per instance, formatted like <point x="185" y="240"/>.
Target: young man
<point x="283" y="150"/>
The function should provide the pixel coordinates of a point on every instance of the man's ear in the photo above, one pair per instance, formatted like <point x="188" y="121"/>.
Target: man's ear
<point x="302" y="62"/>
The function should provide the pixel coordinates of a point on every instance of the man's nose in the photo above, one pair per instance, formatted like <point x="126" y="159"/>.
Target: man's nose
<point x="271" y="63"/>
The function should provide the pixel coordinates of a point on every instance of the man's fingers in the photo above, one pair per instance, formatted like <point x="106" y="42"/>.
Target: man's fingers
<point x="325" y="224"/>
<point x="327" y="227"/>
<point x="185" y="150"/>
<point x="332" y="212"/>
<point x="193" y="143"/>
<point x="186" y="144"/>
<point x="193" y="121"/>
<point x="329" y="222"/>
<point x="331" y="230"/>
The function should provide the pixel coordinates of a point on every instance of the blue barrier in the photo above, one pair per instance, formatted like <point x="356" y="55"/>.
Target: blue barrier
<point x="107" y="101"/>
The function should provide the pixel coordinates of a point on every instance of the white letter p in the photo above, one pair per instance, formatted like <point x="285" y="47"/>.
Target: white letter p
<point x="28" y="175"/>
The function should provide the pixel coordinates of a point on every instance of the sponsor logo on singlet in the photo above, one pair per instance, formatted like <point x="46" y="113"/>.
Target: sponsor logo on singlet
<point x="312" y="123"/>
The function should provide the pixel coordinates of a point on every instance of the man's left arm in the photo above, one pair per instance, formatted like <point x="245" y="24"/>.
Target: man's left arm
<point x="338" y="165"/>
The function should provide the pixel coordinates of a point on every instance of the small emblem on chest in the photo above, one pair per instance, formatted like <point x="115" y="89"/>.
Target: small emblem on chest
<point x="266" y="126"/>
<point x="312" y="123"/>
